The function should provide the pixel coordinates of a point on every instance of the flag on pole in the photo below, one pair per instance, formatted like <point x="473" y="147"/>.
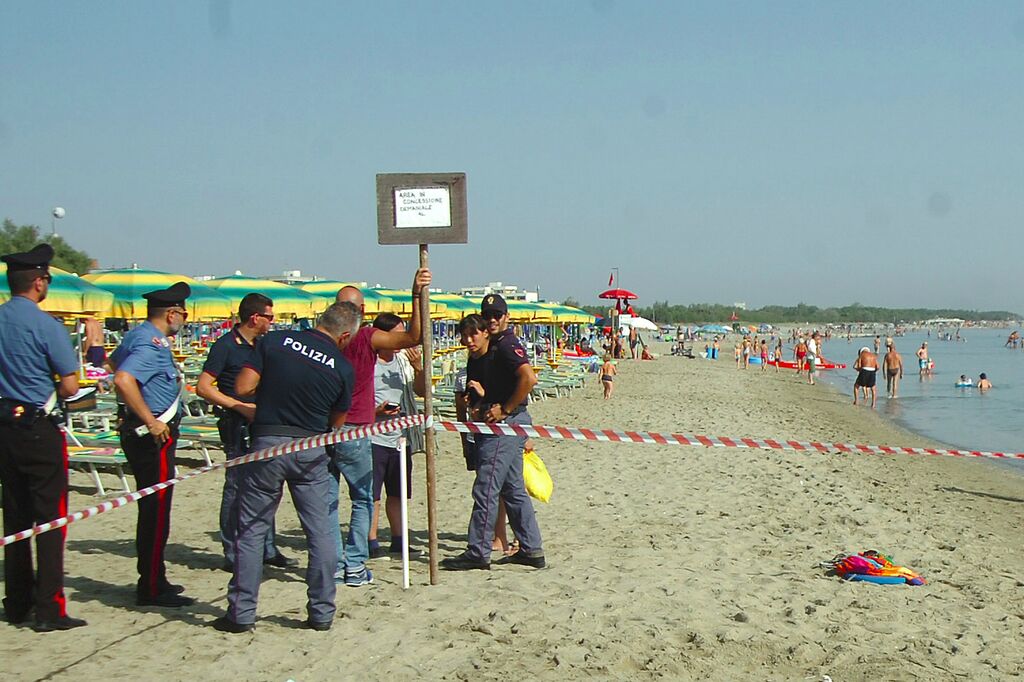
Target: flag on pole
<point x="611" y="278"/>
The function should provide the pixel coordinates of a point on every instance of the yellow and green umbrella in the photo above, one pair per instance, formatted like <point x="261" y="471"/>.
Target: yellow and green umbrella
<point x="521" y="311"/>
<point x="456" y="307"/>
<point x="565" y="314"/>
<point x="69" y="294"/>
<point x="288" y="300"/>
<point x="374" y="301"/>
<point x="402" y="299"/>
<point x="129" y="284"/>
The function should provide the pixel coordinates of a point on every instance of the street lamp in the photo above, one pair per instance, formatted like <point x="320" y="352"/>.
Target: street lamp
<point x="57" y="214"/>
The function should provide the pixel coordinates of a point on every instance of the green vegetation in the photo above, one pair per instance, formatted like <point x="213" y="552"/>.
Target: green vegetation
<point x="801" y="313"/>
<point x="16" y="238"/>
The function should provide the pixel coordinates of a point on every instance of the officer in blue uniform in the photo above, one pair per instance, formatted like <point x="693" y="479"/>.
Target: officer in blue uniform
<point x="34" y="348"/>
<point x="507" y="379"/>
<point x="216" y="385"/>
<point x="148" y="384"/>
<point x="303" y="387"/>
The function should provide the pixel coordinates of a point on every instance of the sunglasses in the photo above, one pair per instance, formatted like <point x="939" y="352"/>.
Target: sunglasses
<point x="180" y="311"/>
<point x="492" y="315"/>
<point x="48" y="277"/>
<point x="269" y="317"/>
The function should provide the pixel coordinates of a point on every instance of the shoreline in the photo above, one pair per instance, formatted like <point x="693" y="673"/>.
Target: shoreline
<point x="682" y="562"/>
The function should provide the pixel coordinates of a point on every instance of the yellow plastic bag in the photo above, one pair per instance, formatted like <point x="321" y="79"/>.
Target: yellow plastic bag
<point x="538" y="480"/>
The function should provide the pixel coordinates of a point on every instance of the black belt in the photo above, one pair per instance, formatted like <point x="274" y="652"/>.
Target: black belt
<point x="257" y="430"/>
<point x="18" y="413"/>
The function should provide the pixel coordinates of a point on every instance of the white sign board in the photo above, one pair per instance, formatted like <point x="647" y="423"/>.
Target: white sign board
<point x="423" y="207"/>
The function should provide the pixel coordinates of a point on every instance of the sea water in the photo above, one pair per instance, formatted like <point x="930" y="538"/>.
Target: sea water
<point x="964" y="418"/>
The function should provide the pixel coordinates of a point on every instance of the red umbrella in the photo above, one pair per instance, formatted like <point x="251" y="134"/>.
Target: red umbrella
<point x="617" y="293"/>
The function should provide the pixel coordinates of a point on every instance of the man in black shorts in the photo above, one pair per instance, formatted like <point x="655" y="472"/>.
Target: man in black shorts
<point x="867" y="368"/>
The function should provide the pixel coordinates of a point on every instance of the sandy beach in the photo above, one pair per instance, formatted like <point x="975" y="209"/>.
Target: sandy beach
<point x="682" y="563"/>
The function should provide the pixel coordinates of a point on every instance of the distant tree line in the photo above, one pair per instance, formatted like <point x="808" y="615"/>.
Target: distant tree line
<point x="703" y="313"/>
<point x="18" y="238"/>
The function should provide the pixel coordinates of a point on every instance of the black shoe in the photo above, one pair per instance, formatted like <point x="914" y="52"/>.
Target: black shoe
<point x="63" y="623"/>
<point x="281" y="561"/>
<point x="225" y="624"/>
<point x="463" y="562"/>
<point x="167" y="600"/>
<point x="319" y="625"/>
<point x="379" y="552"/>
<point x="16" y="617"/>
<point x="524" y="559"/>
<point x="396" y="552"/>
<point x="171" y="588"/>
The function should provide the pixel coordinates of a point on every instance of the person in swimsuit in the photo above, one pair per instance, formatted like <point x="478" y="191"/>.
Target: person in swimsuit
<point x="608" y="373"/>
<point x="867" y="368"/>
<point x="764" y="355"/>
<point x="778" y="354"/>
<point x="892" y="363"/>
<point x="983" y="383"/>
<point x="923" y="363"/>
<point x="800" y="351"/>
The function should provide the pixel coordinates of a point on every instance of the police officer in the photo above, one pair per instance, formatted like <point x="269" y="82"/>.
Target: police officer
<point x="303" y="387"/>
<point x="148" y="383"/>
<point x="216" y="385"/>
<point x="33" y="460"/>
<point x="507" y="379"/>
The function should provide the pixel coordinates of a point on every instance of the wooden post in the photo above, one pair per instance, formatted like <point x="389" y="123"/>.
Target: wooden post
<point x="428" y="411"/>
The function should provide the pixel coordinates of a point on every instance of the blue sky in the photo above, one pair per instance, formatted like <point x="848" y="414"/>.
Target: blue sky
<point x="761" y="152"/>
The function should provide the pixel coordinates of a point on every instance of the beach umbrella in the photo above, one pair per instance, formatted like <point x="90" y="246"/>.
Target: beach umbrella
<point x="402" y="298"/>
<point x="374" y="302"/>
<point x="565" y="314"/>
<point x="69" y="294"/>
<point x="456" y="306"/>
<point x="129" y="284"/>
<point x="288" y="300"/>
<point x="623" y="294"/>
<point x="522" y="311"/>
<point x="637" y="322"/>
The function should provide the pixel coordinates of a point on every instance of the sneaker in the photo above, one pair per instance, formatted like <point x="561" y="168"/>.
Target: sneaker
<point x="463" y="562"/>
<point x="379" y="552"/>
<point x="358" y="579"/>
<point x="523" y="559"/>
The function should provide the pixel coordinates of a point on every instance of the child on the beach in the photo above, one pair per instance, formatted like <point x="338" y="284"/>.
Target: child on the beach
<point x="608" y="373"/>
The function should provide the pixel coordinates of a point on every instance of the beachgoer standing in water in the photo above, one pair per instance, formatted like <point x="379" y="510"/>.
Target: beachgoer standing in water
<point x="983" y="383"/>
<point x="813" y="344"/>
<point x="867" y="367"/>
<point x="892" y="363"/>
<point x="923" y="363"/>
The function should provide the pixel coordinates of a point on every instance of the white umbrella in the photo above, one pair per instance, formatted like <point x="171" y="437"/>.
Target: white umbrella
<point x="637" y="322"/>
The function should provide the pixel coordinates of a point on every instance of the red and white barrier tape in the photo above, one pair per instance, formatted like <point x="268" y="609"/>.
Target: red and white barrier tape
<point x="330" y="438"/>
<point x="532" y="431"/>
<point x="612" y="436"/>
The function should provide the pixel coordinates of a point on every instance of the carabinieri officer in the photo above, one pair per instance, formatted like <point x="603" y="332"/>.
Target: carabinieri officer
<point x="303" y="387"/>
<point x="147" y="381"/>
<point x="33" y="458"/>
<point x="507" y="379"/>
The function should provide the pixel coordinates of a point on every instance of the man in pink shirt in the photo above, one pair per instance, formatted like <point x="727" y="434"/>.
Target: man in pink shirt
<point x="354" y="459"/>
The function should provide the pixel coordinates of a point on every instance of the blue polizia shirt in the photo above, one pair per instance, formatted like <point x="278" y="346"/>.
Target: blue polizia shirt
<point x="145" y="353"/>
<point x="303" y="379"/>
<point x="33" y="348"/>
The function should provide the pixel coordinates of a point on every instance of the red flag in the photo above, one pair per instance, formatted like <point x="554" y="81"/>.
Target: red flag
<point x="611" y="278"/>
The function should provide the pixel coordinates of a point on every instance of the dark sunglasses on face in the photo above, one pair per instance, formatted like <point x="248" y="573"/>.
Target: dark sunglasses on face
<point x="492" y="315"/>
<point x="269" y="317"/>
<point x="48" y="277"/>
<point x="180" y="311"/>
